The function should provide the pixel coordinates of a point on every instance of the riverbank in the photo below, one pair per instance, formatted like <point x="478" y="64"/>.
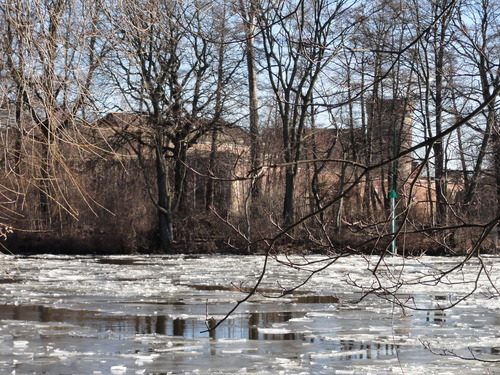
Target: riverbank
<point x="26" y="243"/>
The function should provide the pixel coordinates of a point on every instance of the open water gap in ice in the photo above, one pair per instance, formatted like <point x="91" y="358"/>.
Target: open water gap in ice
<point x="147" y="314"/>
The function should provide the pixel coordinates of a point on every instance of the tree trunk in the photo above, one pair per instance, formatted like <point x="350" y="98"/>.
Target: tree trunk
<point x="496" y="161"/>
<point x="210" y="188"/>
<point x="180" y="154"/>
<point x="288" y="203"/>
<point x="164" y="210"/>
<point x="253" y="97"/>
<point x="249" y="14"/>
<point x="45" y="172"/>
<point x="439" y="157"/>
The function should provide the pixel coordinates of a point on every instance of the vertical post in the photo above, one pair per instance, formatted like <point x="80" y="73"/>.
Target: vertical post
<point x="393" y="197"/>
<point x="393" y="194"/>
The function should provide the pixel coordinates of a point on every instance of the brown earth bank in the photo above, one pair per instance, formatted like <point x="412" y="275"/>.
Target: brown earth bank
<point x="108" y="244"/>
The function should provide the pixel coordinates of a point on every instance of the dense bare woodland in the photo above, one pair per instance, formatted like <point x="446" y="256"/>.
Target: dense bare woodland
<point x="250" y="126"/>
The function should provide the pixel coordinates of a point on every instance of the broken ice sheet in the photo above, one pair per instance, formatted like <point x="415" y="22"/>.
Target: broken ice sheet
<point x="146" y="314"/>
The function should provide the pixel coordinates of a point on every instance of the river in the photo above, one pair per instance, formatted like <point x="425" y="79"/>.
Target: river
<point x="147" y="315"/>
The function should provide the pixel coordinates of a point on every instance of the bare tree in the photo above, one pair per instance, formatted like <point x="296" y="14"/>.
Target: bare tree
<point x="476" y="45"/>
<point x="248" y="11"/>
<point x="298" y="41"/>
<point x="53" y="50"/>
<point x="163" y="71"/>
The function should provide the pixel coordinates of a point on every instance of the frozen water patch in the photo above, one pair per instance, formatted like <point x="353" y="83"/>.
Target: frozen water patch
<point x="274" y="331"/>
<point x="301" y="320"/>
<point x="146" y="315"/>
<point x="20" y="343"/>
<point x="118" y="370"/>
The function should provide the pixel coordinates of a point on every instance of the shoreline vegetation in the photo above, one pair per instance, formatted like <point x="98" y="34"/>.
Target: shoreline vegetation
<point x="250" y="126"/>
<point x="105" y="244"/>
<point x="104" y="206"/>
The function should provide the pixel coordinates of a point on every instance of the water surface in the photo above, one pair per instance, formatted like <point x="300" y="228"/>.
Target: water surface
<point x="147" y="315"/>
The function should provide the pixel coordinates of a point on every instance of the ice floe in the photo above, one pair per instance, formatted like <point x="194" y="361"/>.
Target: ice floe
<point x="146" y="314"/>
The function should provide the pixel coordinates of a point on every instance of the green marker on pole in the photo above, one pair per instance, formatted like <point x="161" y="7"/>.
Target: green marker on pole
<point x="393" y="196"/>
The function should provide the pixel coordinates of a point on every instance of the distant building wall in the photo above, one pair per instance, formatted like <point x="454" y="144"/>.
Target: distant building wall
<point x="390" y="133"/>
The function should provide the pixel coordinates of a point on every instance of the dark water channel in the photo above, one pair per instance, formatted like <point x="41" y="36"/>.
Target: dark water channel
<point x="147" y="315"/>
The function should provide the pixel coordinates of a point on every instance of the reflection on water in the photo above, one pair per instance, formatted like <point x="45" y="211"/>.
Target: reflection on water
<point x="102" y="322"/>
<point x="355" y="350"/>
<point x="245" y="327"/>
<point x="437" y="316"/>
<point x="317" y="299"/>
<point x="248" y="326"/>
